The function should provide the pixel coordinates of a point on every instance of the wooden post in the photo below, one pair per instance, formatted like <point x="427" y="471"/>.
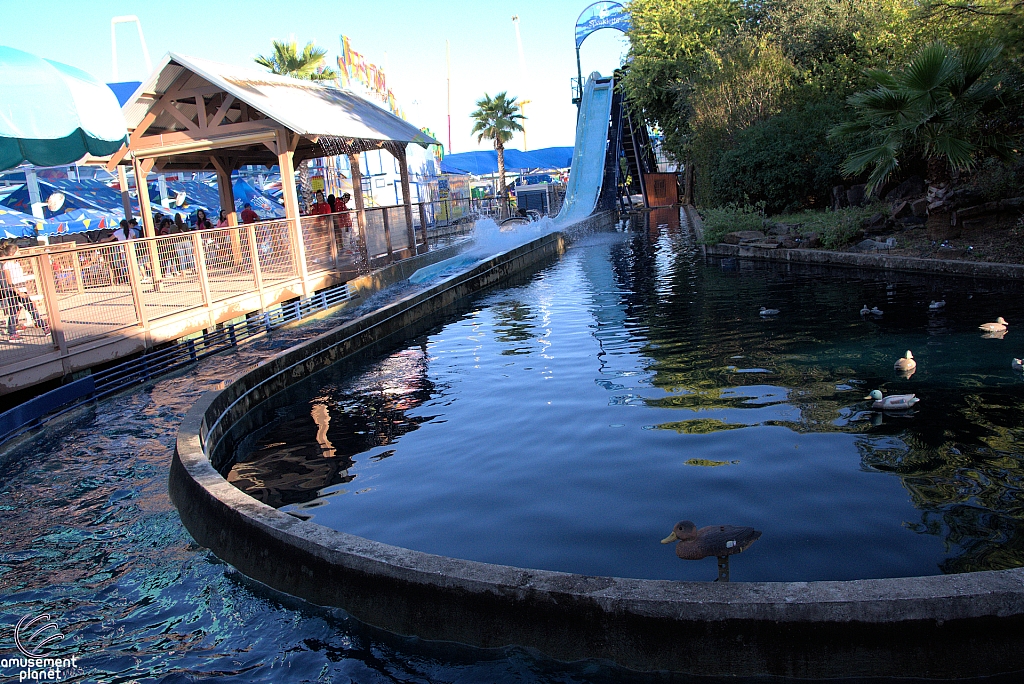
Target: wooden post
<point x="148" y="229"/>
<point x="423" y="226"/>
<point x="200" y="258"/>
<point x="286" y="162"/>
<point x="45" y="281"/>
<point x="145" y="207"/>
<point x="403" y="169"/>
<point x="227" y="205"/>
<point x="387" y="232"/>
<point x="254" y="259"/>
<point x="135" y="281"/>
<point x="357" y="192"/>
<point x="126" y="199"/>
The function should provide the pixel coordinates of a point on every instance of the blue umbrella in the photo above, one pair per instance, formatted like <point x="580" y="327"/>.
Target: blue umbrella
<point x="53" y="114"/>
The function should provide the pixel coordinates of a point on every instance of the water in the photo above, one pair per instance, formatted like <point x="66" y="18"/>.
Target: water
<point x="91" y="538"/>
<point x="569" y="422"/>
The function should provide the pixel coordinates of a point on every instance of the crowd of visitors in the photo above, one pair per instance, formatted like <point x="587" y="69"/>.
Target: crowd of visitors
<point x="176" y="257"/>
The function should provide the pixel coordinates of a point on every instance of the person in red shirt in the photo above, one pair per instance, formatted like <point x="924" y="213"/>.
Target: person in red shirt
<point x="342" y="206"/>
<point x="320" y="205"/>
<point x="248" y="215"/>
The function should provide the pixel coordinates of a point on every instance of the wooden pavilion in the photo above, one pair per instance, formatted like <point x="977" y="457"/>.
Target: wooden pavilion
<point x="196" y="115"/>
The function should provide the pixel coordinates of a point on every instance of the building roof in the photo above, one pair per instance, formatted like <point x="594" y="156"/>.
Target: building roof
<point x="313" y="109"/>
<point x="485" y="162"/>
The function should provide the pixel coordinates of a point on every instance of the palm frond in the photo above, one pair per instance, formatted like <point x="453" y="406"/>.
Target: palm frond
<point x="858" y="162"/>
<point x="957" y="151"/>
<point x="930" y="70"/>
<point x="975" y="61"/>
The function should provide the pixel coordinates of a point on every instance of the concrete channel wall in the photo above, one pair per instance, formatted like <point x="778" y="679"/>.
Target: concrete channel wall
<point x="932" y="627"/>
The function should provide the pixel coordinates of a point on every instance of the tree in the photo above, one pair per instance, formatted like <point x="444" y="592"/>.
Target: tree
<point x="931" y="110"/>
<point x="498" y="119"/>
<point x="286" y="61"/>
<point x="308" y="66"/>
<point x="672" y="42"/>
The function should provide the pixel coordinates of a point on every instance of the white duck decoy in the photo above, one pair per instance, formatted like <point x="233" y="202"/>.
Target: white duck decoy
<point x="999" y="326"/>
<point x="1017" y="365"/>
<point x="907" y="363"/>
<point x="936" y="305"/>
<point x="893" y="402"/>
<point x="865" y="311"/>
<point x="769" y="312"/>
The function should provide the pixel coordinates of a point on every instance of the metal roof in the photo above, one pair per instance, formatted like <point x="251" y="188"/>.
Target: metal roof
<point x="313" y="109"/>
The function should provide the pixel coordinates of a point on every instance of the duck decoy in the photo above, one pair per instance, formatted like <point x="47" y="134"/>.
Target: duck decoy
<point x="865" y="311"/>
<point x="999" y="326"/>
<point x="936" y="305"/>
<point x="893" y="402"/>
<point x="1017" y="365"/>
<point x="875" y="311"/>
<point x="907" y="363"/>
<point x="720" y="541"/>
<point x="769" y="312"/>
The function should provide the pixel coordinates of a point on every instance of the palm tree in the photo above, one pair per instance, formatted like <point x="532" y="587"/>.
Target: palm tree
<point x="308" y="66"/>
<point x="286" y="61"/>
<point x="931" y="110"/>
<point x="498" y="119"/>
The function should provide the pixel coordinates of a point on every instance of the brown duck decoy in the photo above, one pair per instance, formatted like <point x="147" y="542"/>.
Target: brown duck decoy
<point x="720" y="541"/>
<point x="713" y="540"/>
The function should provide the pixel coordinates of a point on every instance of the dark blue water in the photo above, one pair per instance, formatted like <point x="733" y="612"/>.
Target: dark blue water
<point x="91" y="538"/>
<point x="569" y="422"/>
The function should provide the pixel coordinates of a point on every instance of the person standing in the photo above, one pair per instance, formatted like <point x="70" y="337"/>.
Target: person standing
<point x="183" y="246"/>
<point x="320" y="206"/>
<point x="248" y="215"/>
<point x="14" y="292"/>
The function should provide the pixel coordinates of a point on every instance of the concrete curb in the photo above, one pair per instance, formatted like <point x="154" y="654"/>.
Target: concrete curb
<point x="978" y="269"/>
<point x="942" y="626"/>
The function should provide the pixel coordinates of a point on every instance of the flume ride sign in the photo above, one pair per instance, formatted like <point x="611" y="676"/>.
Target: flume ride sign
<point x="601" y="15"/>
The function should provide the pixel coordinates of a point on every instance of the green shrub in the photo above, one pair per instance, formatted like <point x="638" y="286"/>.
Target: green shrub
<point x="731" y="217"/>
<point x="835" y="228"/>
<point x="786" y="161"/>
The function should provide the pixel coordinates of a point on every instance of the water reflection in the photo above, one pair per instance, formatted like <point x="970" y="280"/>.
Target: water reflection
<point x="280" y="470"/>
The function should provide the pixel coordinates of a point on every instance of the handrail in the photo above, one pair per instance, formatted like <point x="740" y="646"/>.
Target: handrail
<point x="73" y="298"/>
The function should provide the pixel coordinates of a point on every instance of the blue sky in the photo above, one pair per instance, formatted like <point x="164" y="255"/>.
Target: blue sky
<point x="408" y="37"/>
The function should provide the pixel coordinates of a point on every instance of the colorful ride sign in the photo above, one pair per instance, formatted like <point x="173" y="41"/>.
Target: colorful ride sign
<point x="601" y="15"/>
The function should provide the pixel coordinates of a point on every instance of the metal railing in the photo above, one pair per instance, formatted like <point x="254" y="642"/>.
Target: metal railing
<point x="64" y="298"/>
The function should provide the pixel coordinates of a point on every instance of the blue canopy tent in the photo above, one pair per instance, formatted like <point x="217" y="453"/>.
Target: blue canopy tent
<point x="77" y="221"/>
<point x="87" y="194"/>
<point x="485" y="163"/>
<point x="124" y="90"/>
<point x="261" y="204"/>
<point x="15" y="224"/>
<point x="53" y="114"/>
<point x="197" y="196"/>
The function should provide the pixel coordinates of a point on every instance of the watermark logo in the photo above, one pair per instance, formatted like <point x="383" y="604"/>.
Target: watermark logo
<point x="31" y="643"/>
<point x="33" y="636"/>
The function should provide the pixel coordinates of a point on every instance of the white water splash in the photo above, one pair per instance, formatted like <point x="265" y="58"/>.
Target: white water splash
<point x="488" y="241"/>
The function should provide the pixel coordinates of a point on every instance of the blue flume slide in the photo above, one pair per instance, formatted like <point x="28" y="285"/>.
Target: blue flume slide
<point x="582" y="192"/>
<point x="588" y="156"/>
